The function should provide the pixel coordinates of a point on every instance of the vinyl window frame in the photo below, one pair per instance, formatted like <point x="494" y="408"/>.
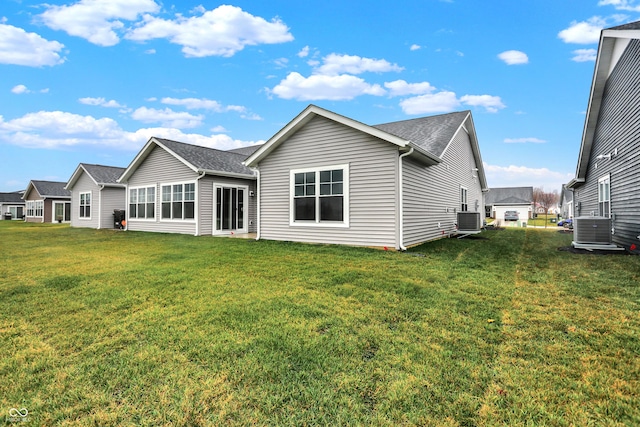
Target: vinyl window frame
<point x="83" y="205"/>
<point x="176" y="198"/>
<point x="317" y="222"/>
<point x="137" y="202"/>
<point x="604" y="196"/>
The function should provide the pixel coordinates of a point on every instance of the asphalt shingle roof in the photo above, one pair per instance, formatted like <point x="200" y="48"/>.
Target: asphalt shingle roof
<point x="103" y="174"/>
<point x="209" y="159"/>
<point x="51" y="189"/>
<point x="247" y="151"/>
<point x="630" y="26"/>
<point x="432" y="134"/>
<point x="509" y="196"/>
<point x="15" y="197"/>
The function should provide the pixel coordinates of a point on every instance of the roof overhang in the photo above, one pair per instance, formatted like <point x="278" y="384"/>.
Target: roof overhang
<point x="612" y="45"/>
<point x="469" y="127"/>
<point x="314" y="111"/>
<point x="225" y="174"/>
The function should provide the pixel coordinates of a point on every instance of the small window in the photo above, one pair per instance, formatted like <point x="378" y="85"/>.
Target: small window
<point x="604" y="196"/>
<point x="464" y="206"/>
<point x="85" y="205"/>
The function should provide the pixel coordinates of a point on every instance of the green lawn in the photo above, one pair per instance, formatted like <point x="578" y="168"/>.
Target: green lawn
<point x="122" y="328"/>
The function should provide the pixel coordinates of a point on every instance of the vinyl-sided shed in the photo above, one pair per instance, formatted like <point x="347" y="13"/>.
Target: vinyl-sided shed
<point x="326" y="178"/>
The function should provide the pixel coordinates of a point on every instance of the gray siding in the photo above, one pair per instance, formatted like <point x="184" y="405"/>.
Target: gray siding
<point x="85" y="184"/>
<point x="111" y="198"/>
<point x="373" y="186"/>
<point x="618" y="128"/>
<point x="432" y="194"/>
<point x="159" y="168"/>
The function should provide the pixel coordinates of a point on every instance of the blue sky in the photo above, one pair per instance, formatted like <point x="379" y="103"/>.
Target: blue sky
<point x="92" y="80"/>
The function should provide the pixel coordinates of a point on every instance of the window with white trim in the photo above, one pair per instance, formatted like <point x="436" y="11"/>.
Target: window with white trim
<point x="604" y="196"/>
<point x="178" y="201"/>
<point x="31" y="208"/>
<point x="320" y="196"/>
<point x="35" y="208"/>
<point x="142" y="203"/>
<point x="85" y="205"/>
<point x="464" y="206"/>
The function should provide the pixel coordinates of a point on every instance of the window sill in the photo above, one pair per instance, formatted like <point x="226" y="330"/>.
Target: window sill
<point x="319" y="224"/>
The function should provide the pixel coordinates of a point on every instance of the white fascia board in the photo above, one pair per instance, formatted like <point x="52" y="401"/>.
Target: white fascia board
<point x="307" y="114"/>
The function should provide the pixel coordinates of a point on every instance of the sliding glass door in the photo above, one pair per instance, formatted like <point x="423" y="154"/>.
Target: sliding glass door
<point x="231" y="209"/>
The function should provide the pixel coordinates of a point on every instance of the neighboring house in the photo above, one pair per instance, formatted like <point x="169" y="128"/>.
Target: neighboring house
<point x="12" y="204"/>
<point x="95" y="194"/>
<point x="174" y="187"/>
<point x="502" y="199"/>
<point x="607" y="181"/>
<point x="47" y="201"/>
<point x="566" y="202"/>
<point x="326" y="178"/>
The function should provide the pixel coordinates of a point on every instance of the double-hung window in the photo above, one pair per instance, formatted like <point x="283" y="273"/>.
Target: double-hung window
<point x="142" y="203"/>
<point x="464" y="206"/>
<point x="39" y="208"/>
<point x="604" y="196"/>
<point x="320" y="196"/>
<point x="178" y="201"/>
<point x="85" y="205"/>
<point x="31" y="208"/>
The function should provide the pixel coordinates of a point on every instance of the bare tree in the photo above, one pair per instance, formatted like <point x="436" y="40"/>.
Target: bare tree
<point x="545" y="200"/>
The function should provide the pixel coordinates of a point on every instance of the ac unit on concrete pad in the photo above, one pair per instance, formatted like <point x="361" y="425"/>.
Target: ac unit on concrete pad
<point x="592" y="230"/>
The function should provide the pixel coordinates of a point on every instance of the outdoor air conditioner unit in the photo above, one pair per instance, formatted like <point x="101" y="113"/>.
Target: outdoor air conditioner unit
<point x="592" y="229"/>
<point x="469" y="221"/>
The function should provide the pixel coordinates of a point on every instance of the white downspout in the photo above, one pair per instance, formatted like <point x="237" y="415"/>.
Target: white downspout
<point x="258" y="190"/>
<point x="197" y="212"/>
<point x="401" y="193"/>
<point x="100" y="188"/>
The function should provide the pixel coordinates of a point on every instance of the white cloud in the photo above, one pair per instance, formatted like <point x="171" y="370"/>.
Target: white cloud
<point x="441" y="102"/>
<point x="219" y="32"/>
<point x="96" y="20"/>
<point x="491" y="103"/>
<point x="56" y="129"/>
<point x="446" y="102"/>
<point x="585" y="32"/>
<point x="203" y="104"/>
<point x="100" y="102"/>
<point x="630" y="5"/>
<point x="514" y="57"/>
<point x="334" y="64"/>
<point x="318" y="87"/>
<point x="584" y="55"/>
<point x="415" y="47"/>
<point x="304" y="52"/>
<point x="49" y="129"/>
<point x="524" y="140"/>
<point x="167" y="117"/>
<point x="523" y="176"/>
<point x="402" y="88"/>
<point x="18" y="47"/>
<point x="19" y="89"/>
